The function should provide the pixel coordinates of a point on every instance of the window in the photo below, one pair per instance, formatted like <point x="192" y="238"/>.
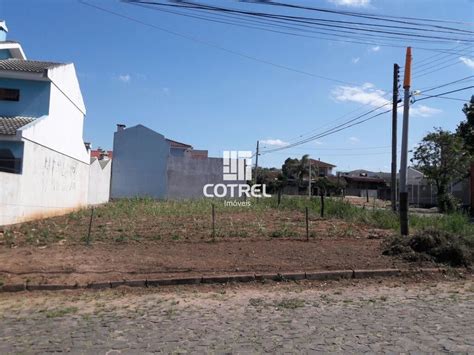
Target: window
<point x="9" y="94"/>
<point x="11" y="157"/>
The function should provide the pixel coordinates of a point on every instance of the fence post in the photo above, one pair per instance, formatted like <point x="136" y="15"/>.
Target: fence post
<point x="279" y="197"/>
<point x="307" y="224"/>
<point x="213" y="222"/>
<point x="88" y="240"/>
<point x="322" y="204"/>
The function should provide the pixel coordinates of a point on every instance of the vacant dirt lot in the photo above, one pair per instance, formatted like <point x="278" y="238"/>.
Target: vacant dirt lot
<point x="146" y="239"/>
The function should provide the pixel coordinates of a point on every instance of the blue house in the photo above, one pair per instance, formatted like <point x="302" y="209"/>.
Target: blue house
<point x="44" y="165"/>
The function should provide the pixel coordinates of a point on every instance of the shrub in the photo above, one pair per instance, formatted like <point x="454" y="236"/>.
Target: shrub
<point x="433" y="244"/>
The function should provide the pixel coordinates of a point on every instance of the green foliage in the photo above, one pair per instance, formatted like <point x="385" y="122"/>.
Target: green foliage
<point x="296" y="169"/>
<point x="60" y="312"/>
<point x="290" y="303"/>
<point x="441" y="158"/>
<point x="465" y="129"/>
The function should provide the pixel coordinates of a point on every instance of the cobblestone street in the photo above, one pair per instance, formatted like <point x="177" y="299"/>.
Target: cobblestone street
<point x="393" y="316"/>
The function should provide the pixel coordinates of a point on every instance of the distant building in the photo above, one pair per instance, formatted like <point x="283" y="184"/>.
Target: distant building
<point x="322" y="168"/>
<point x="101" y="154"/>
<point x="146" y="164"/>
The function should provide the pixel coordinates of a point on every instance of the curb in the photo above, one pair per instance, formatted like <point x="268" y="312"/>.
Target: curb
<point x="222" y="279"/>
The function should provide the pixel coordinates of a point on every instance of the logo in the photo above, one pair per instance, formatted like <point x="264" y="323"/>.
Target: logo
<point x="237" y="167"/>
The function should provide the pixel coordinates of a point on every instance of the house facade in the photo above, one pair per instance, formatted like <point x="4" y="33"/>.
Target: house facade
<point x="322" y="168"/>
<point x="44" y="165"/>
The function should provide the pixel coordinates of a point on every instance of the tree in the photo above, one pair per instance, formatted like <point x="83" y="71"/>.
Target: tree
<point x="442" y="159"/>
<point x="465" y="129"/>
<point x="296" y="169"/>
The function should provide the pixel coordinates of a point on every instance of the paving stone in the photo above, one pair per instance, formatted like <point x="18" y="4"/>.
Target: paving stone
<point x="423" y="320"/>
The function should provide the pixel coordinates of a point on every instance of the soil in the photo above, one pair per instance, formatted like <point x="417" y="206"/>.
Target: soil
<point x="137" y="244"/>
<point x="83" y="264"/>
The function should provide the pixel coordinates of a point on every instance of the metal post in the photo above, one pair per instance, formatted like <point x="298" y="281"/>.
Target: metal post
<point x="256" y="161"/>
<point x="307" y="224"/>
<point x="393" y="183"/>
<point x="213" y="222"/>
<point x="472" y="189"/>
<point x="309" y="178"/>
<point x="88" y="240"/>
<point x="404" y="154"/>
<point x="322" y="204"/>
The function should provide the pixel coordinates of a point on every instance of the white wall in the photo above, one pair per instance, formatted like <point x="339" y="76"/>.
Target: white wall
<point x="61" y="130"/>
<point x="99" y="181"/>
<point x="50" y="184"/>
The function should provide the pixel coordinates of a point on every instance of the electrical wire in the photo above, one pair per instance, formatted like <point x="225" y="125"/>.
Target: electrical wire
<point x="446" y="93"/>
<point x="217" y="46"/>
<point x="355" y="121"/>
<point x="447" y="84"/>
<point x="314" y="21"/>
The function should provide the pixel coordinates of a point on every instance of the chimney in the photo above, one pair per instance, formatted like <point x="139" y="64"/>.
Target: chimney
<point x="3" y="31"/>
<point x="120" y="127"/>
<point x="88" y="146"/>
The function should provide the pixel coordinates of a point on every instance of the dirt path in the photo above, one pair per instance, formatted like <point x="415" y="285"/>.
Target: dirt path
<point x="100" y="262"/>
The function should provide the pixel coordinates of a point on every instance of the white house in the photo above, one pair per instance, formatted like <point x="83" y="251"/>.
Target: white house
<point x="44" y="165"/>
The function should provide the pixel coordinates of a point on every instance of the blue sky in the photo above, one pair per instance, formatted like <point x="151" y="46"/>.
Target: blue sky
<point x="131" y="73"/>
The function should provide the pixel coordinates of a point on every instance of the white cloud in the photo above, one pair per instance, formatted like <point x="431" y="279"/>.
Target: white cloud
<point x="355" y="60"/>
<point x="374" y="48"/>
<point x="354" y="140"/>
<point x="318" y="142"/>
<point x="274" y="142"/>
<point x="424" y="111"/>
<point x="368" y="94"/>
<point x="352" y="3"/>
<point x="468" y="61"/>
<point x="125" y="78"/>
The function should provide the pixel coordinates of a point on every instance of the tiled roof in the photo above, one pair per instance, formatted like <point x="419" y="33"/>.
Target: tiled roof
<point x="176" y="144"/>
<point x="9" y="125"/>
<point x="364" y="179"/>
<point x="96" y="153"/>
<point x="30" y="66"/>
<point x="321" y="164"/>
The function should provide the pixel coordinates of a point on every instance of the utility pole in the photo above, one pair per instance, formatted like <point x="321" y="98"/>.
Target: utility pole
<point x="309" y="179"/>
<point x="393" y="190"/>
<point x="256" y="161"/>
<point x="404" y="156"/>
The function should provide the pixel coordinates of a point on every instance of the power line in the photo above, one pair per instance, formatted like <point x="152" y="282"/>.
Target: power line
<point x="345" y="126"/>
<point x="335" y="129"/>
<point x="346" y="34"/>
<point x="447" y="84"/>
<point x="338" y="148"/>
<point x="372" y="16"/>
<point x="445" y="93"/>
<point x="216" y="46"/>
<point x="435" y="68"/>
<point x="331" y="24"/>
<point x="445" y="97"/>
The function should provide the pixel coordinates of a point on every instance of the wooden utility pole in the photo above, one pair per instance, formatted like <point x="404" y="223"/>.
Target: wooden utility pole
<point x="404" y="154"/>
<point x="393" y="183"/>
<point x="256" y="162"/>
